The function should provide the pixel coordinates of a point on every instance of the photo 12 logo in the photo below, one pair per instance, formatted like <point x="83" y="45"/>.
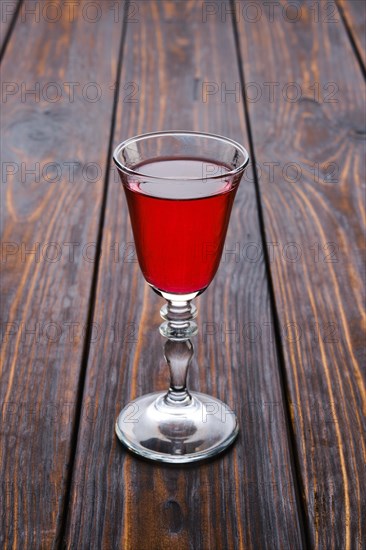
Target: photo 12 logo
<point x="53" y="92"/>
<point x="318" y="11"/>
<point x="72" y="332"/>
<point x="70" y="11"/>
<point x="269" y="91"/>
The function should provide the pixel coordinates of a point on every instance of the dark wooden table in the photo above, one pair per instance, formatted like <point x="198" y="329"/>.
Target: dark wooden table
<point x="281" y="336"/>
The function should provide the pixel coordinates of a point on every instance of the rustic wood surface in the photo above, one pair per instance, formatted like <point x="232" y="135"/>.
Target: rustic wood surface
<point x="169" y="55"/>
<point x="40" y="372"/>
<point x="354" y="12"/>
<point x="322" y="293"/>
<point x="8" y="16"/>
<point x="295" y="477"/>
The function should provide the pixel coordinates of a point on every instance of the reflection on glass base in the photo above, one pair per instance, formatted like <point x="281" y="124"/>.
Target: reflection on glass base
<point x="151" y="428"/>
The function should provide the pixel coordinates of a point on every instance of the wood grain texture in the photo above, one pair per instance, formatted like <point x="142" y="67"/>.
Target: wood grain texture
<point x="245" y="499"/>
<point x="7" y="12"/>
<point x="355" y="14"/>
<point x="322" y="292"/>
<point x="48" y="291"/>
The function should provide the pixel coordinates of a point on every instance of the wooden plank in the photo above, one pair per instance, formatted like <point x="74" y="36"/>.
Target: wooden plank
<point x="8" y="11"/>
<point x="321" y="290"/>
<point x="354" y="12"/>
<point x="48" y="291"/>
<point x="245" y="499"/>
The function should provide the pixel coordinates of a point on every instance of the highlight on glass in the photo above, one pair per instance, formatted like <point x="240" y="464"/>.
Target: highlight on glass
<point x="180" y="188"/>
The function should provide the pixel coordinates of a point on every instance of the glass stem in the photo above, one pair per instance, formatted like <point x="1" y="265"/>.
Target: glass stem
<point x="178" y="355"/>
<point x="178" y="327"/>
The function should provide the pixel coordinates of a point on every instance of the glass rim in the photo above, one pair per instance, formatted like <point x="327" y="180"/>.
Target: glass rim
<point x="149" y="135"/>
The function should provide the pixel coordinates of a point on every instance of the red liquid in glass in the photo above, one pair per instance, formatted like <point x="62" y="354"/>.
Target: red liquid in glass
<point x="179" y="226"/>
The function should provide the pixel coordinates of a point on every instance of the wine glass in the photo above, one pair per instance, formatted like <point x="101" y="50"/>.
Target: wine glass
<point x="180" y="188"/>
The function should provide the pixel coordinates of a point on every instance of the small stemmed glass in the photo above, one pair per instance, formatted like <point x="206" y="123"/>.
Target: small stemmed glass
<point x="180" y="188"/>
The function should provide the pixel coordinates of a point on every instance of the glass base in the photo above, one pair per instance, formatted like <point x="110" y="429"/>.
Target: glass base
<point x="176" y="433"/>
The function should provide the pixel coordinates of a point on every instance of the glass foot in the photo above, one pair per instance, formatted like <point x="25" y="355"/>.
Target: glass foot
<point x="177" y="433"/>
